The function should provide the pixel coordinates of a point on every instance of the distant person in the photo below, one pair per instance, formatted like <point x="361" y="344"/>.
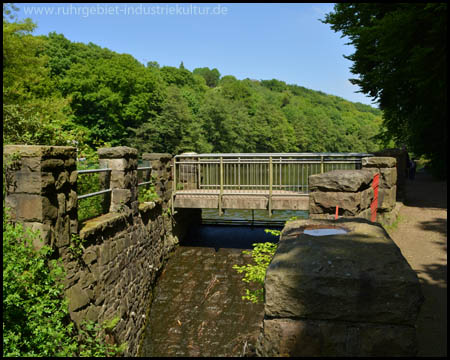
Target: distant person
<point x="412" y="169"/>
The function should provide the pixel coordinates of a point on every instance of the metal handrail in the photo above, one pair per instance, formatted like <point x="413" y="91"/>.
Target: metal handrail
<point x="84" y="196"/>
<point x="144" y="168"/>
<point x="90" y="171"/>
<point x="272" y="154"/>
<point x="254" y="172"/>
<point x="93" y="171"/>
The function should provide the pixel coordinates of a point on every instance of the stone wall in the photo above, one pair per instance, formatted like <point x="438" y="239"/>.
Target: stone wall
<point x="123" y="250"/>
<point x="162" y="173"/>
<point x="41" y="190"/>
<point x="349" y="294"/>
<point x="352" y="191"/>
<point x="401" y="156"/>
<point x="387" y="192"/>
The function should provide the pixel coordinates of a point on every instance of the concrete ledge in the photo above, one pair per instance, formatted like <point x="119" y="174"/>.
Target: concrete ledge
<point x="245" y="202"/>
<point x="290" y="203"/>
<point x="197" y="201"/>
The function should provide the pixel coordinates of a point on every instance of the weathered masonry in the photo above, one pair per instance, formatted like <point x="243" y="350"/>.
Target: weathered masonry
<point x="123" y="249"/>
<point x="341" y="287"/>
<point x="350" y="293"/>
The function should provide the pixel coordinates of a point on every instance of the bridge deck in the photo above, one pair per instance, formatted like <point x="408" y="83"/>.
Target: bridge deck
<point x="241" y="199"/>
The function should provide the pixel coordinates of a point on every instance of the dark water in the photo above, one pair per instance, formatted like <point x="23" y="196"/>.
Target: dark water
<point x="197" y="308"/>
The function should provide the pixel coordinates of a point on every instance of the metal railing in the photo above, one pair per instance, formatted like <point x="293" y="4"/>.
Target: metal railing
<point x="106" y="181"/>
<point x="90" y="171"/>
<point x="252" y="174"/>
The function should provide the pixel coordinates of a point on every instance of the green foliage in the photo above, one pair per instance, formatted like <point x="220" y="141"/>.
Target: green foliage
<point x="36" y="318"/>
<point x="211" y="76"/>
<point x="401" y="61"/>
<point x="90" y="335"/>
<point x="273" y="232"/>
<point x="87" y="183"/>
<point x="57" y="92"/>
<point x="34" y="311"/>
<point x="147" y="194"/>
<point x="262" y="255"/>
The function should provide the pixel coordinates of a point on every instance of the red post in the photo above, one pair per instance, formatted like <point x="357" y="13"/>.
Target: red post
<point x="374" y="204"/>
<point x="336" y="216"/>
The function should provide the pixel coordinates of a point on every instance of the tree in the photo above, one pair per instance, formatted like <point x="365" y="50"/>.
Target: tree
<point x="33" y="111"/>
<point x="211" y="76"/>
<point x="401" y="61"/>
<point x="153" y="64"/>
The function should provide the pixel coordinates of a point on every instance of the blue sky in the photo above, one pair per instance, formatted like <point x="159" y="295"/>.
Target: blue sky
<point x="259" y="41"/>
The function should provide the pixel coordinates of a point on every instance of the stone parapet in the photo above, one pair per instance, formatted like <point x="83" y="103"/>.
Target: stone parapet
<point x="123" y="178"/>
<point x="353" y="192"/>
<point x="162" y="174"/>
<point x="114" y="259"/>
<point x="348" y="294"/>
<point x="387" y="191"/>
<point x="350" y="190"/>
<point x="41" y="190"/>
<point x="401" y="157"/>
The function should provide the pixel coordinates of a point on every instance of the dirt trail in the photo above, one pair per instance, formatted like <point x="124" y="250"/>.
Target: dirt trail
<point x="421" y="235"/>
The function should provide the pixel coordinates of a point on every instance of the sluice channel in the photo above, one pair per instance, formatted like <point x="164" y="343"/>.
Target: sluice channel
<point x="197" y="307"/>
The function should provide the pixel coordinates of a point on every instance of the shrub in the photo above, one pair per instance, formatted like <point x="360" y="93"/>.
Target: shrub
<point x="36" y="318"/>
<point x="262" y="254"/>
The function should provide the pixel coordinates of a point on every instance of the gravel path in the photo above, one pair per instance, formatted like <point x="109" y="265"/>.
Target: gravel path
<point x="421" y="235"/>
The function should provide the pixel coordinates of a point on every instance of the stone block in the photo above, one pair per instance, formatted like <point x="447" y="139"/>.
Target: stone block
<point x="62" y="180"/>
<point x="387" y="198"/>
<point x="24" y="182"/>
<point x="299" y="338"/>
<point x="62" y="231"/>
<point x="61" y="204"/>
<point x="326" y="202"/>
<point x="73" y="177"/>
<point x="341" y="181"/>
<point x="72" y="200"/>
<point x="117" y="152"/>
<point x="90" y="256"/>
<point x="366" y="198"/>
<point x="77" y="297"/>
<point x="52" y="164"/>
<point x="27" y="207"/>
<point x="30" y="164"/>
<point x="378" y="162"/>
<point x="388" y="178"/>
<point x="360" y="276"/>
<point x="120" y="196"/>
<point x="165" y="157"/>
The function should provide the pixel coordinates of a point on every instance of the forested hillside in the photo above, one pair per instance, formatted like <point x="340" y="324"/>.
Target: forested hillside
<point x="60" y="92"/>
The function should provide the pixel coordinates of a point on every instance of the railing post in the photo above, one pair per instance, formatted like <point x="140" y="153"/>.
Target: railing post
<point x="198" y="173"/>
<point x="270" y="185"/>
<point x="321" y="164"/>
<point x="239" y="173"/>
<point x="123" y="162"/>
<point x="221" y="186"/>
<point x="40" y="185"/>
<point x="174" y="183"/>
